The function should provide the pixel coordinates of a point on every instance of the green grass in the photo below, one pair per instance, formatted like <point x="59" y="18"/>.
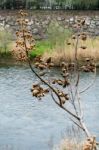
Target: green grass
<point x="57" y="36"/>
<point x="41" y="48"/>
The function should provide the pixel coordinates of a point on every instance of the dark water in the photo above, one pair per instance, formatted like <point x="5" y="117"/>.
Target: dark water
<point x="27" y="124"/>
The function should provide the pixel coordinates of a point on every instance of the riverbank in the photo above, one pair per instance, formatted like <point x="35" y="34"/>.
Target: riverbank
<point x="56" y="40"/>
<point x="60" y="52"/>
<point x="86" y="49"/>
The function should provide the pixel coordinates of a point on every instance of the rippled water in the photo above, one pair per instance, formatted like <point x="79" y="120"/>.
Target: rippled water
<point x="27" y="124"/>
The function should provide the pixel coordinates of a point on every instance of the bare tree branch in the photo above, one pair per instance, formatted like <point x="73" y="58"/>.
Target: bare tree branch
<point x="90" y="85"/>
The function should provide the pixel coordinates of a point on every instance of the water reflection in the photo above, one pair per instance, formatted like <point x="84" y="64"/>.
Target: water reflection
<point x="30" y="125"/>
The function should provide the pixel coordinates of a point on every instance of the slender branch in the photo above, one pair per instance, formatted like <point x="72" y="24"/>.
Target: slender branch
<point x="56" y="93"/>
<point x="90" y="85"/>
<point x="73" y="99"/>
<point x="69" y="112"/>
<point x="79" y="103"/>
<point x="85" y="128"/>
<point x="93" y="143"/>
<point x="76" y="123"/>
<point x="75" y="114"/>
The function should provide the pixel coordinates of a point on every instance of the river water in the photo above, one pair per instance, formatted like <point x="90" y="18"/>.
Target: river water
<point x="28" y="124"/>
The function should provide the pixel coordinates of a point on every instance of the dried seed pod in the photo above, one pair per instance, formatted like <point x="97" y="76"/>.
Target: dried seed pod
<point x="35" y="92"/>
<point x="87" y="59"/>
<point x="66" y="83"/>
<point x="50" y="65"/>
<point x="38" y="59"/>
<point x="83" y="22"/>
<point x="42" y="73"/>
<point x="78" y="25"/>
<point x="83" y="37"/>
<point x="35" y="85"/>
<point x="75" y="26"/>
<point x="46" y="90"/>
<point x="60" y="82"/>
<point x="83" y="34"/>
<point x="79" y="34"/>
<point x="63" y="101"/>
<point x="71" y="65"/>
<point x="63" y="70"/>
<point x="83" y="47"/>
<point x="54" y="81"/>
<point x="65" y="75"/>
<point x="41" y="67"/>
<point x="68" y="43"/>
<point x="73" y="37"/>
<point x="85" y="69"/>
<point x="92" y="64"/>
<point x="48" y="60"/>
<point x="31" y="90"/>
<point x="78" y="20"/>
<point x="92" y="69"/>
<point x="67" y="97"/>
<point x="61" y="94"/>
<point x="62" y="64"/>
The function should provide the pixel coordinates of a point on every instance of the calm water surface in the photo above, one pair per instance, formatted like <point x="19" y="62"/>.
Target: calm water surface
<point x="27" y="124"/>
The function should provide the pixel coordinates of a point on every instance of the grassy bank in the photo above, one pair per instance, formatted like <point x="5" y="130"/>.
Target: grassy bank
<point x="59" y="46"/>
<point x="66" y="53"/>
<point x="62" y="52"/>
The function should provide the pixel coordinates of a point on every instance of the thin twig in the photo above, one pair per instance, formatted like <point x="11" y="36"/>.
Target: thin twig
<point x="90" y="85"/>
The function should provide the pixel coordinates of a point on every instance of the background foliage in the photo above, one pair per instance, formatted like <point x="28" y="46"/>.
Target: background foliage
<point x="49" y="4"/>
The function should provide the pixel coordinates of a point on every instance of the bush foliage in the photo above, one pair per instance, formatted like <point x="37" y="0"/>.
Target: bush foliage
<point x="49" y="4"/>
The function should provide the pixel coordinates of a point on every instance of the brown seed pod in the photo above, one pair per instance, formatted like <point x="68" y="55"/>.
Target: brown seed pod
<point x="50" y="65"/>
<point x="64" y="70"/>
<point x="78" y="25"/>
<point x="68" y="43"/>
<point x="35" y="92"/>
<point x="62" y="64"/>
<point x="54" y="81"/>
<point x="42" y="73"/>
<point x="87" y="59"/>
<point x="66" y="83"/>
<point x="65" y="75"/>
<point x="85" y="69"/>
<point x="73" y="37"/>
<point x="36" y="64"/>
<point x="83" y="47"/>
<point x="67" y="97"/>
<point x="63" y="101"/>
<point x="35" y="85"/>
<point x="83" y="37"/>
<point x="83" y="34"/>
<point x="78" y="34"/>
<point x="83" y="22"/>
<point x="41" y="67"/>
<point x="48" y="60"/>
<point x="60" y="82"/>
<point x="75" y="26"/>
<point x="78" y="20"/>
<point x="71" y="65"/>
<point x="46" y="91"/>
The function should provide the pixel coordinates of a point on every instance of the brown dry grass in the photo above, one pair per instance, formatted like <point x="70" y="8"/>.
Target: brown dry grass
<point x="68" y="144"/>
<point x="66" y="53"/>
